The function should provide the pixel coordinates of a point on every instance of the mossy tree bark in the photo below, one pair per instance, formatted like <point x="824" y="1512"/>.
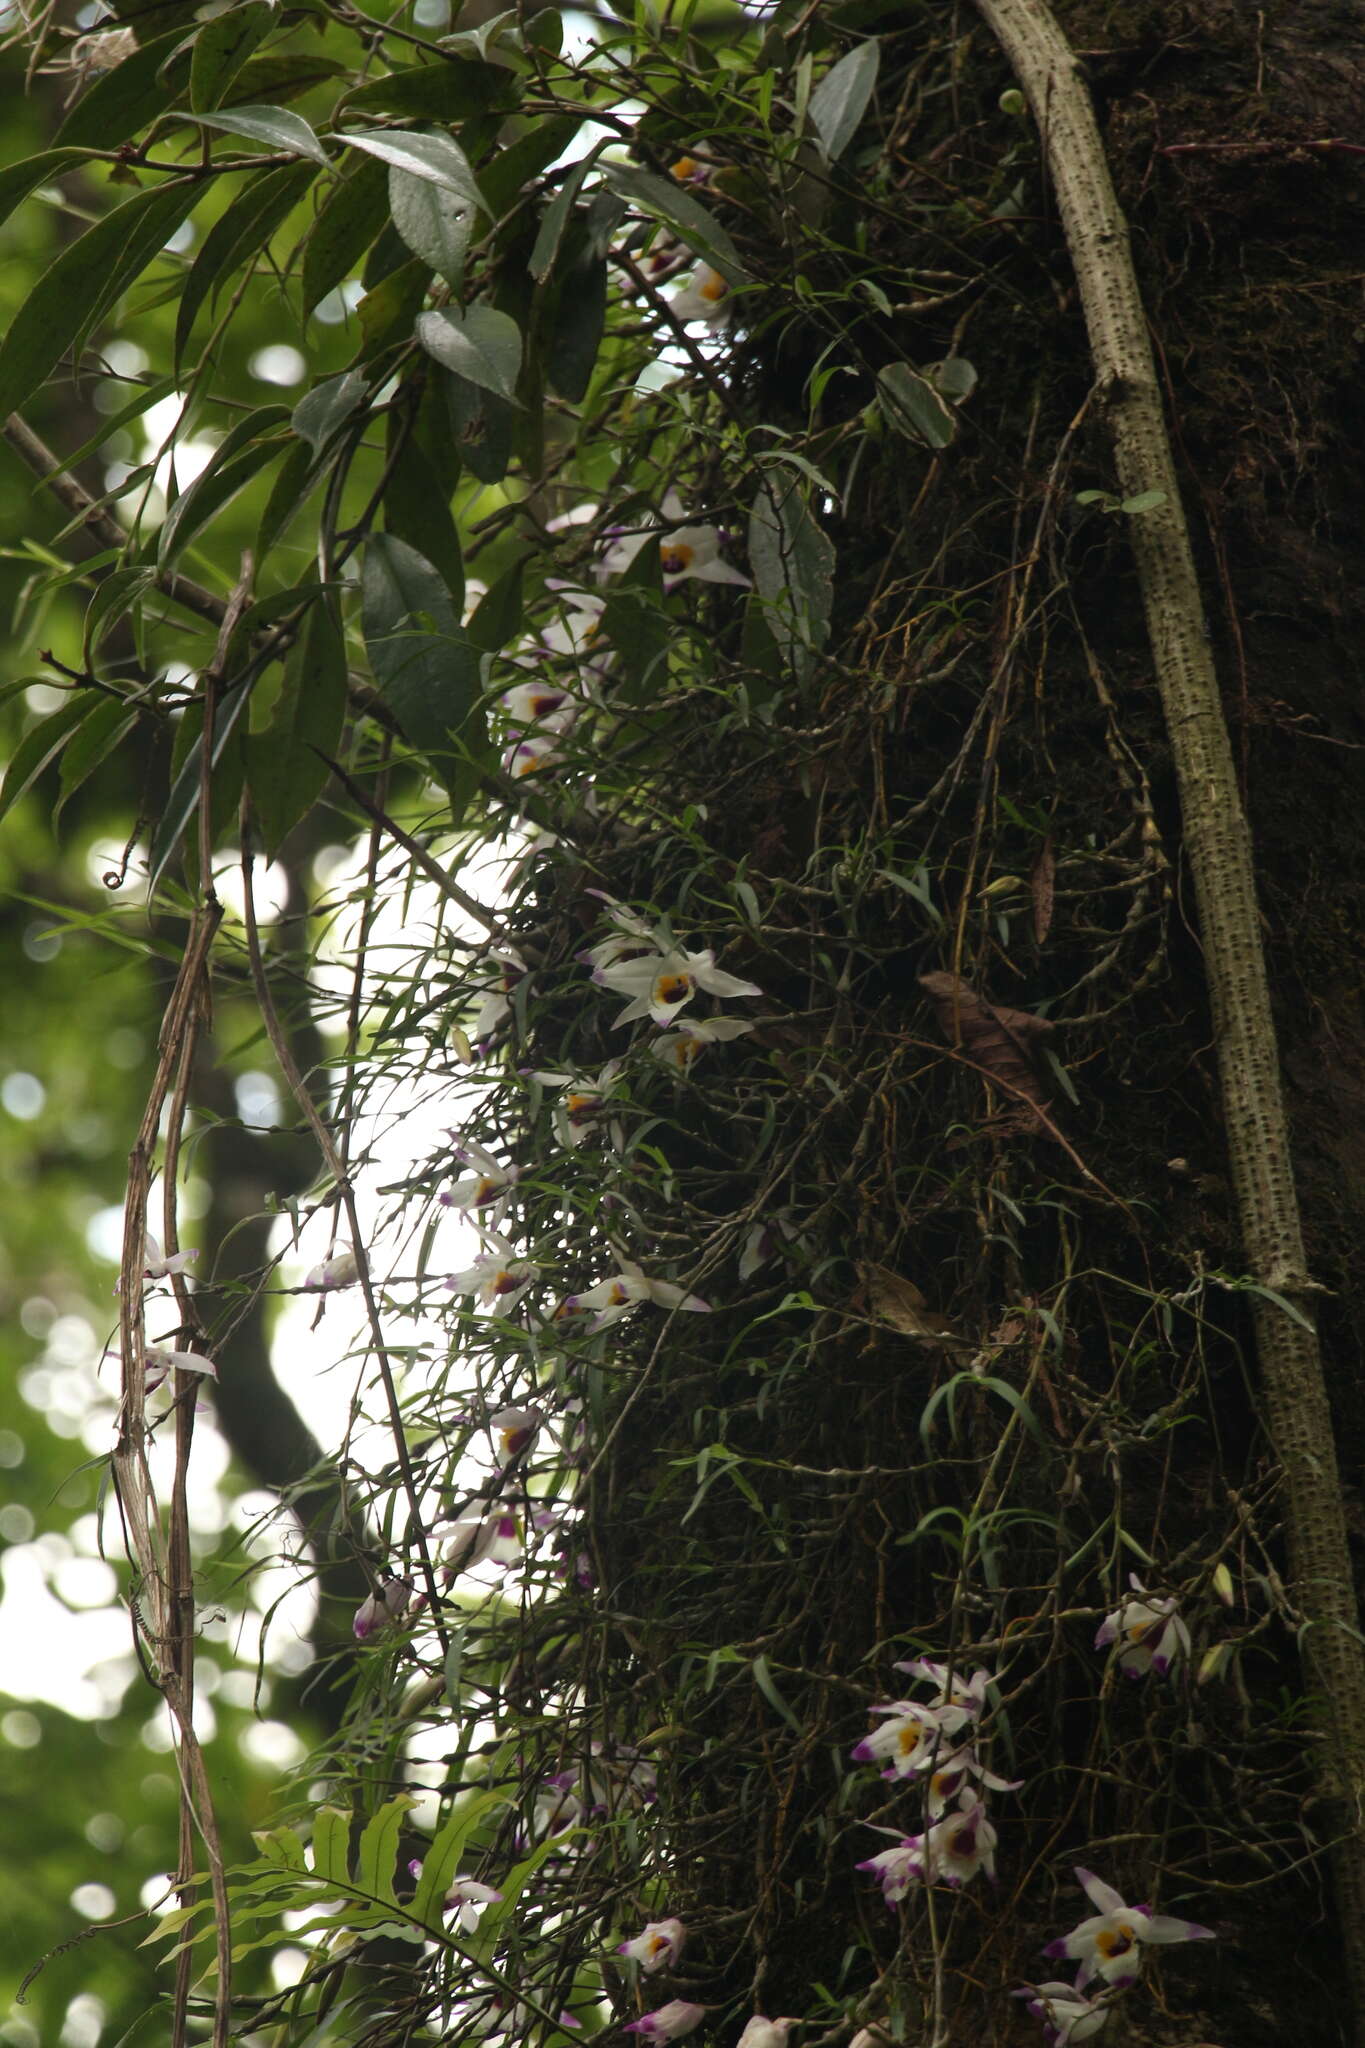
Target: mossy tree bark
<point x="1218" y="847"/>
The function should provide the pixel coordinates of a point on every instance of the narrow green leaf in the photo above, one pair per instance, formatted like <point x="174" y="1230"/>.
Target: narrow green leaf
<point x="318" y="415"/>
<point x="913" y="407"/>
<point x="183" y="800"/>
<point x="432" y="221"/>
<point x="251" y="443"/>
<point x="557" y="215"/>
<point x="18" y="180"/>
<point x="74" y="291"/>
<point x="576" y="334"/>
<point x="415" y="508"/>
<point x="480" y="344"/>
<point x="221" y="48"/>
<point x="240" y="232"/>
<point x="297" y="477"/>
<point x="425" y="666"/>
<point x="92" y="742"/>
<point x="354" y="212"/>
<point x="276" y="127"/>
<point x="767" y="1685"/>
<point x="452" y="90"/>
<point x="687" y="217"/>
<point x="503" y="179"/>
<point x="378" y="1851"/>
<point x="41" y="746"/>
<point x="839" y="101"/>
<point x="117" y="593"/>
<point x="279" y="75"/>
<point x="331" y="1845"/>
<point x="126" y="99"/>
<point x="284" y="770"/>
<point x="438" y="158"/>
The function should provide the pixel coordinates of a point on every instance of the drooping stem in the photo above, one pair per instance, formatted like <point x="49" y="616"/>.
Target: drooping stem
<point x="1218" y="849"/>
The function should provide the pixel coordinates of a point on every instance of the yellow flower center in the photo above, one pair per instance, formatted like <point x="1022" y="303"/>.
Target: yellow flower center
<point x="714" y="288"/>
<point x="1115" y="1941"/>
<point x="683" y="169"/>
<point x="675" y="559"/>
<point x="672" y="988"/>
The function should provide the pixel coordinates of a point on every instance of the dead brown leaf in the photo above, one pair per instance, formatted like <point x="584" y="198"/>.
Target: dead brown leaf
<point x="1000" y="1040"/>
<point x="898" y="1301"/>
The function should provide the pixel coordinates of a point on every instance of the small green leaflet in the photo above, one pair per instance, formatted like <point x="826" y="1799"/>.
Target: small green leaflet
<point x="479" y="344"/>
<point x="438" y="158"/>
<point x="276" y="127"/>
<point x="839" y="101"/>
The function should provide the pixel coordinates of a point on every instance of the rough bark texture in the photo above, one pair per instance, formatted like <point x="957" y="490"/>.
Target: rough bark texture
<point x="1219" y="850"/>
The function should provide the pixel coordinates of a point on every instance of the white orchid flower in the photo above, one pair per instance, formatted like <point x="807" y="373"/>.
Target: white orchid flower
<point x="695" y="552"/>
<point x="947" y="1779"/>
<point x="706" y="296"/>
<point x="909" y="1739"/>
<point x="960" y="1699"/>
<point x="656" y="1947"/>
<point x="1149" y="1633"/>
<point x="156" y="1265"/>
<point x="516" y="1427"/>
<point x="1109" y="1944"/>
<point x="494" y="1538"/>
<point x="670" y="2022"/>
<point x="1066" y="2015"/>
<point x="897" y="1869"/>
<point x="556" y="1805"/>
<point x="341" y="1270"/>
<point x="579" y="1111"/>
<point x="497" y="1276"/>
<point x="623" y="1291"/>
<point x="962" y="1843"/>
<point x="528" y="756"/>
<point x="529" y="703"/>
<point x="487" y="1184"/>
<point x="761" y="2032"/>
<point x="684" y="1047"/>
<point x="465" y="1894"/>
<point x="389" y="1604"/>
<point x="685" y="550"/>
<point x="508" y="967"/>
<point x="773" y="1234"/>
<point x="662" y="985"/>
<point x="160" y="1359"/>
